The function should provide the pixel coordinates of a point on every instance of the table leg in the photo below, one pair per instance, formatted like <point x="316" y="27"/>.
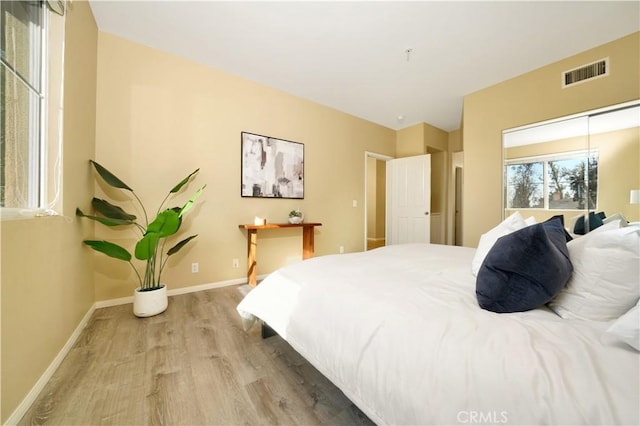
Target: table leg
<point x="252" y="242"/>
<point x="307" y="242"/>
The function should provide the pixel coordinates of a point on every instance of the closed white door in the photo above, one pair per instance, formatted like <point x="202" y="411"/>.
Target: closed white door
<point x="409" y="200"/>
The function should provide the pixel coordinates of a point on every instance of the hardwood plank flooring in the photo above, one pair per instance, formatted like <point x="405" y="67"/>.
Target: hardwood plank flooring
<point x="192" y="365"/>
<point x="373" y="244"/>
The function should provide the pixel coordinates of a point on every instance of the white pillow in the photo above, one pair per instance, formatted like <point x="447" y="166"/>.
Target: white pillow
<point x="627" y="328"/>
<point x="606" y="281"/>
<point x="617" y="216"/>
<point x="487" y="240"/>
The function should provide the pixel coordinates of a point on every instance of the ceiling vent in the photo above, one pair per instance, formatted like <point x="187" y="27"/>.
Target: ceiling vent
<point x="586" y="72"/>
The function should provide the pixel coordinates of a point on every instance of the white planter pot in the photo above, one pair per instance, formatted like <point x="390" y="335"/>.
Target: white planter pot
<point x="150" y="303"/>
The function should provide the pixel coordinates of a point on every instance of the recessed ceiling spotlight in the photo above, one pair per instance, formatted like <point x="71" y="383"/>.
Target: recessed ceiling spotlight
<point x="401" y="117"/>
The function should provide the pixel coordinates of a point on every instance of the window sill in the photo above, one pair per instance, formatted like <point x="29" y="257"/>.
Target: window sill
<point x="9" y="213"/>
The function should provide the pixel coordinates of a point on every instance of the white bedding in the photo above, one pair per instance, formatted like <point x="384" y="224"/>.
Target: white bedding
<point x="399" y="331"/>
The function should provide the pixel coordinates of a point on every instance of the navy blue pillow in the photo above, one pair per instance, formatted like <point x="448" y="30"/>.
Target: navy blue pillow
<point x="560" y="217"/>
<point x="595" y="220"/>
<point x="524" y="269"/>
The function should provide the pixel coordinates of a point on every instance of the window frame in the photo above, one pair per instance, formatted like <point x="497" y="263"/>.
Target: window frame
<point x="545" y="159"/>
<point x="38" y="142"/>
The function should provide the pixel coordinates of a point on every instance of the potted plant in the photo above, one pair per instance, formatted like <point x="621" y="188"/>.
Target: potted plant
<point x="295" y="216"/>
<point x="150" y="297"/>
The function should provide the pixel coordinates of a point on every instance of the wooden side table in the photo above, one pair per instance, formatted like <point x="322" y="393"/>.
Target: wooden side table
<point x="252" y="243"/>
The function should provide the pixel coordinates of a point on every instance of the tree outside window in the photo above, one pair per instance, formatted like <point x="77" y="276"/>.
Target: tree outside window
<point x="526" y="184"/>
<point x="567" y="182"/>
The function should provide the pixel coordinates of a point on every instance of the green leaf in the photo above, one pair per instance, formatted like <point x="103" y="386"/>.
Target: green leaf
<point x="183" y="182"/>
<point x="177" y="247"/>
<point x="109" y="177"/>
<point x="103" y="220"/>
<point x="111" y="211"/>
<point x="110" y="249"/>
<point x="165" y="224"/>
<point x="146" y="247"/>
<point x="192" y="200"/>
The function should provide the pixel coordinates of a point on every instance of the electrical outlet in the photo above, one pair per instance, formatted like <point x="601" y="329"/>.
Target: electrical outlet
<point x="195" y="267"/>
<point x="341" y="249"/>
<point x="235" y="263"/>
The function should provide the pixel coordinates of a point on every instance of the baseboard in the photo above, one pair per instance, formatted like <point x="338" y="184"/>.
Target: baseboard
<point x="26" y="403"/>
<point x="207" y="286"/>
<point x="24" y="406"/>
<point x="177" y="291"/>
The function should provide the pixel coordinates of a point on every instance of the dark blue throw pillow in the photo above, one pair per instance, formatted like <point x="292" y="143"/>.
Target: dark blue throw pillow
<point x="524" y="269"/>
<point x="595" y="221"/>
<point x="567" y="236"/>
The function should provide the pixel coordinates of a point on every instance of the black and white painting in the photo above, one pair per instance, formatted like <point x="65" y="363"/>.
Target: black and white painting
<point x="271" y="168"/>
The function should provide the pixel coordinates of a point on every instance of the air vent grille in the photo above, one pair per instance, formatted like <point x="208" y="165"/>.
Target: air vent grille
<point x="586" y="72"/>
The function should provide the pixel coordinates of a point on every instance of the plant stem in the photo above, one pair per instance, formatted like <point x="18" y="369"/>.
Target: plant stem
<point x="148" y="274"/>
<point x="162" y="203"/>
<point x="140" y="227"/>
<point x="161" y="262"/>
<point x="146" y="219"/>
<point x="137" y="273"/>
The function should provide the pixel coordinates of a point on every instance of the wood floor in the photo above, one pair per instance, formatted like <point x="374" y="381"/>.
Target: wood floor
<point x="373" y="244"/>
<point x="191" y="365"/>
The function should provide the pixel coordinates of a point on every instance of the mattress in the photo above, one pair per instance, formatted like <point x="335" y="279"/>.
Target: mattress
<point x="399" y="331"/>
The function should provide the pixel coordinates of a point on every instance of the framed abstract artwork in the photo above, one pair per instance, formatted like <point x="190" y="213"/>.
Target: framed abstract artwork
<point x="271" y="168"/>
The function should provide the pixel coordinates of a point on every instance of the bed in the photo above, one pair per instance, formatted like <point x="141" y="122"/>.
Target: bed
<point x="398" y="329"/>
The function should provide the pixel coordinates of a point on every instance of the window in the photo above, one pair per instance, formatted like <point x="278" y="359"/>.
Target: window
<point x="560" y="182"/>
<point x="22" y="118"/>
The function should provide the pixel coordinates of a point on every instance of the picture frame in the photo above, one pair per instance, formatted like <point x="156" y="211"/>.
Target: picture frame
<point x="271" y="167"/>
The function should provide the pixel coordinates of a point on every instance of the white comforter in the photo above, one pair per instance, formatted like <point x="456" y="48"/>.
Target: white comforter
<point x="399" y="331"/>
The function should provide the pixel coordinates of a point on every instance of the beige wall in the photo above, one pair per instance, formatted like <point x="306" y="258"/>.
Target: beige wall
<point x="381" y="198"/>
<point x="376" y="197"/>
<point x="455" y="155"/>
<point x="410" y="141"/>
<point x="455" y="141"/>
<point x="532" y="97"/>
<point x="47" y="283"/>
<point x="435" y="138"/>
<point x="420" y="139"/>
<point x="372" y="197"/>
<point x="618" y="171"/>
<point x="159" y="117"/>
<point x="436" y="142"/>
<point x="438" y="182"/>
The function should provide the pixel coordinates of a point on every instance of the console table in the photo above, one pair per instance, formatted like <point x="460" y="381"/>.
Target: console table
<point x="252" y="242"/>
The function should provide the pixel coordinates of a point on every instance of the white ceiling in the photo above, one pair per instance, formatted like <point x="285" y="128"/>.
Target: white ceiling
<point x="352" y="55"/>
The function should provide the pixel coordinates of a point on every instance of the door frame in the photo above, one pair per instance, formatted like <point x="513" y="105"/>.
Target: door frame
<point x="377" y="156"/>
